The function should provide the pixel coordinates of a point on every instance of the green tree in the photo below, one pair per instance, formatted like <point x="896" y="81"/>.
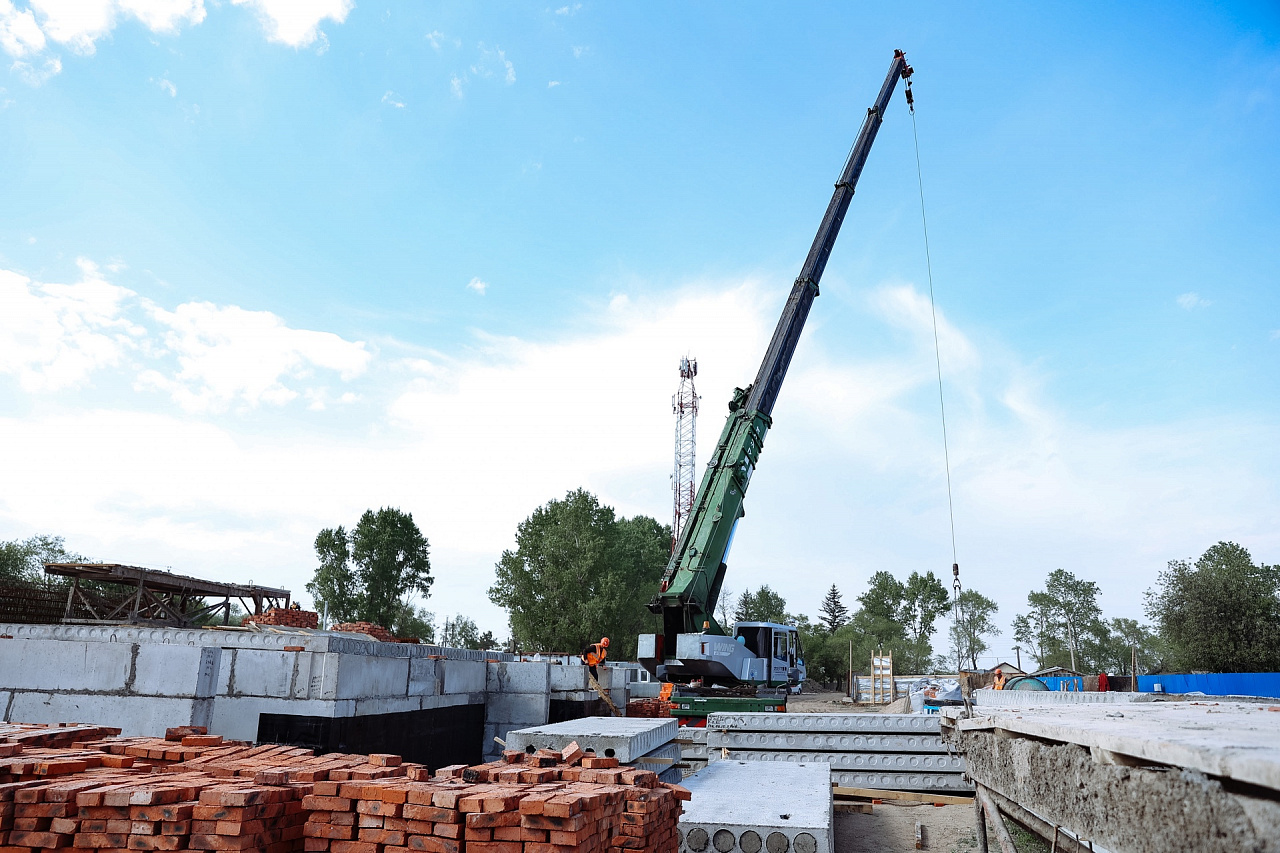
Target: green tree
<point x="972" y="625"/>
<point x="834" y="613"/>
<point x="333" y="587"/>
<point x="579" y="573"/>
<point x="370" y="573"/>
<point x="460" y="633"/>
<point x="882" y="602"/>
<point x="764" y="605"/>
<point x="1220" y="614"/>
<point x="23" y="559"/>
<point x="1064" y="617"/>
<point x="924" y="599"/>
<point x="416" y="622"/>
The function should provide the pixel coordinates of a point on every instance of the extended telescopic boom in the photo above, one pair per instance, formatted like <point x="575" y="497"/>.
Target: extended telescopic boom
<point x="692" y="580"/>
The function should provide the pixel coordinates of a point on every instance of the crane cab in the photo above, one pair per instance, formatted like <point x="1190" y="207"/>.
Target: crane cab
<point x="779" y="657"/>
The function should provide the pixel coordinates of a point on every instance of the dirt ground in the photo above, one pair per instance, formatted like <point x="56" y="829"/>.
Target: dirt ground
<point x="892" y="829"/>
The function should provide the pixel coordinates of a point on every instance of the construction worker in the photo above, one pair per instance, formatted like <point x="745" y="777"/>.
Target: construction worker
<point x="594" y="655"/>
<point x="999" y="685"/>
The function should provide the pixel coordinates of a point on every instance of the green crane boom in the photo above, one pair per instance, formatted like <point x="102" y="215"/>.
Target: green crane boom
<point x="691" y="583"/>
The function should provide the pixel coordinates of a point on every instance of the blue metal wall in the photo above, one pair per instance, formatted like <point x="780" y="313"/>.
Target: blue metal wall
<point x="1215" y="683"/>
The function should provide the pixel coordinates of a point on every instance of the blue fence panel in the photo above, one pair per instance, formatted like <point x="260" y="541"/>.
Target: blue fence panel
<point x="1212" y="683"/>
<point x="1056" y="683"/>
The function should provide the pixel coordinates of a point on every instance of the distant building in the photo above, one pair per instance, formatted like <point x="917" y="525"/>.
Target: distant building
<point x="1056" y="672"/>
<point x="1007" y="668"/>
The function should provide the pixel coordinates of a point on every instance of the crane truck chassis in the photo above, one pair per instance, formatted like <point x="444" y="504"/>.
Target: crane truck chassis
<point x="760" y="658"/>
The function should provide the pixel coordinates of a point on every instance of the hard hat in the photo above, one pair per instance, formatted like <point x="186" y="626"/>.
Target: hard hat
<point x="604" y="641"/>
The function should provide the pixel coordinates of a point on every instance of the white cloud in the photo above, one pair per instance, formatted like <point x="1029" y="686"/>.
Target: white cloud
<point x="1192" y="301"/>
<point x="579" y="51"/>
<point x="34" y="75"/>
<point x="230" y="355"/>
<point x="296" y="23"/>
<point x="54" y="336"/>
<point x="478" y="286"/>
<point x="79" y="25"/>
<point x="569" y="10"/>
<point x="434" y="38"/>
<point x="551" y="84"/>
<point x="19" y="33"/>
<point x="456" y="85"/>
<point x="166" y="86"/>
<point x="851" y="480"/>
<point x="493" y="62"/>
<point x="393" y="100"/>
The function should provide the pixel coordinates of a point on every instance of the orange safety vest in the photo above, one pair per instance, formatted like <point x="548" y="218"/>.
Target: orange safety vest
<point x="597" y="655"/>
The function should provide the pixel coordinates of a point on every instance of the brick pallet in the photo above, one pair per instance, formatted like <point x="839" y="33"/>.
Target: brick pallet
<point x="195" y="792"/>
<point x="366" y="628"/>
<point x="287" y="618"/>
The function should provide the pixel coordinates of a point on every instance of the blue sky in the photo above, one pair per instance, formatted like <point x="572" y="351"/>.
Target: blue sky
<point x="264" y="264"/>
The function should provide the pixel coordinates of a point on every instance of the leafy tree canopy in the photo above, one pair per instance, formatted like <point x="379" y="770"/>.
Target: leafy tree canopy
<point x="578" y="572"/>
<point x="763" y="605"/>
<point x="369" y="573"/>
<point x="971" y="627"/>
<point x="1220" y="614"/>
<point x="24" y="559"/>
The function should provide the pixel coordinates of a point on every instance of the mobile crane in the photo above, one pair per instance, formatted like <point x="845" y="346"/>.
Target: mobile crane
<point x="693" y="646"/>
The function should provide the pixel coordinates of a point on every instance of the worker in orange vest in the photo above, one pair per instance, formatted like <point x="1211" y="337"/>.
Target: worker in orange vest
<point x="594" y="655"/>
<point x="999" y="685"/>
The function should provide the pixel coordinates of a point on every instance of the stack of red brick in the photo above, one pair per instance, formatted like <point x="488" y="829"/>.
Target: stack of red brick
<point x="375" y="631"/>
<point x="289" y="618"/>
<point x="194" y="791"/>
<point x="544" y="803"/>
<point x="648" y="708"/>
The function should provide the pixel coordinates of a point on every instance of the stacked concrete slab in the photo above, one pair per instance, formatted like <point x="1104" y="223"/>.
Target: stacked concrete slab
<point x="750" y="806"/>
<point x="903" y="752"/>
<point x="694" y="754"/>
<point x="643" y="742"/>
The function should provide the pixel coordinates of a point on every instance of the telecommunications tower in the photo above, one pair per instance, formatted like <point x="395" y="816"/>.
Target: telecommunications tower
<point x="684" y="403"/>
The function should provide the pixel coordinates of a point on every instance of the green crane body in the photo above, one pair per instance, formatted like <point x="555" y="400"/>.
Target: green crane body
<point x="691" y="583"/>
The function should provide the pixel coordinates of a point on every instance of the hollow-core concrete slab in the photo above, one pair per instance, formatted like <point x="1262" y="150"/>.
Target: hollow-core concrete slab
<point x="623" y="738"/>
<point x="758" y="807"/>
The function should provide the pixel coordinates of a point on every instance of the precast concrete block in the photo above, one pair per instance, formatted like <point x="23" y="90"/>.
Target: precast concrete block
<point x="387" y="705"/>
<point x="928" y="782"/>
<point x="566" y="677"/>
<point x="643" y="689"/>
<point x="369" y="676"/>
<point x="259" y="672"/>
<point x="729" y="812"/>
<point x="575" y="695"/>
<point x="880" y="723"/>
<point x="236" y="718"/>
<point x="912" y="762"/>
<point x="39" y="664"/>
<point x="824" y="741"/>
<point x="623" y="738"/>
<point x="166" y="670"/>
<point x="519" y="709"/>
<point x="301" y="686"/>
<point x="518" y="677"/>
<point x="135" y="715"/>
<point x="464" y="676"/>
<point x="422" y="676"/>
<point x="324" y="676"/>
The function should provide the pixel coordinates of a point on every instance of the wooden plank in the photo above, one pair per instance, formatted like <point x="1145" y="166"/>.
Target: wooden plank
<point x="906" y="796"/>
<point x="603" y="695"/>
<point x="854" y="808"/>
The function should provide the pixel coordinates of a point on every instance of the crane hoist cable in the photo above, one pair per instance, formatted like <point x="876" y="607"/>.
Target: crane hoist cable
<point x="937" y="355"/>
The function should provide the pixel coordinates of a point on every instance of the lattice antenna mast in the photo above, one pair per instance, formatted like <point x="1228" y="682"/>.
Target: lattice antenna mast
<point x="684" y="404"/>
